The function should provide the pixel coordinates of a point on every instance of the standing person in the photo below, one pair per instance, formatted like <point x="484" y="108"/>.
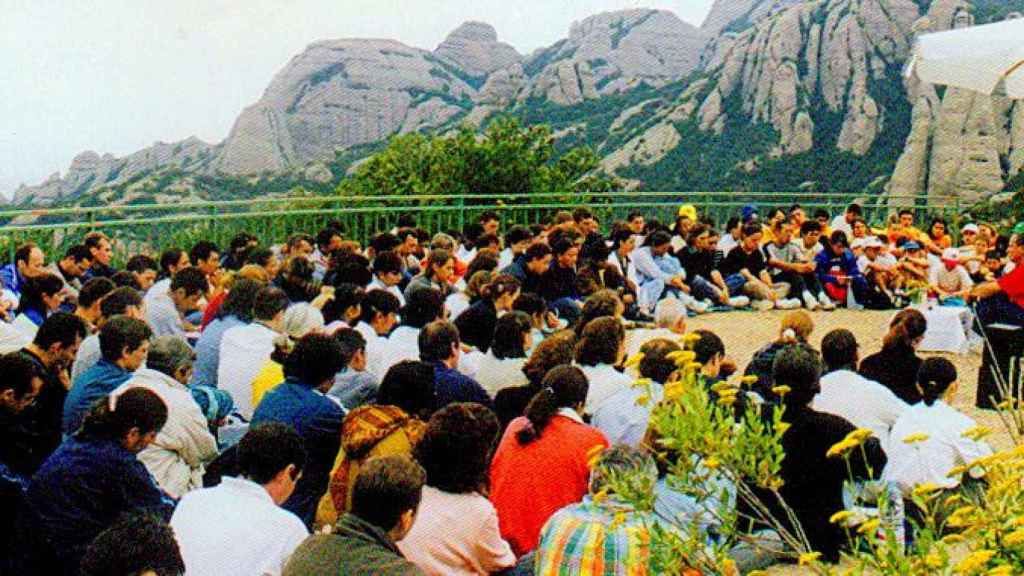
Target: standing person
<point x="246" y="347"/>
<point x="1002" y="299"/>
<point x="166" y="313"/>
<point x="385" y="498"/>
<point x="541" y="463"/>
<point x="944" y="447"/>
<point x="786" y="263"/>
<point x="235" y="311"/>
<point x="124" y="343"/>
<point x="253" y="534"/>
<point x="301" y="402"/>
<point x="440" y="346"/>
<point x="179" y="453"/>
<point x="895" y="366"/>
<point x="865" y="403"/>
<point x="476" y="324"/>
<point x="745" y="271"/>
<point x="456" y="528"/>
<point x="95" y="477"/>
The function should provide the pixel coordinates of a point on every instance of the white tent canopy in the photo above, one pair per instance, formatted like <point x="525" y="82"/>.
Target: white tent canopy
<point x="986" y="59"/>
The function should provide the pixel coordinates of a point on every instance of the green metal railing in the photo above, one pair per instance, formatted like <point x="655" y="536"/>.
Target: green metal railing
<point x="156" y="227"/>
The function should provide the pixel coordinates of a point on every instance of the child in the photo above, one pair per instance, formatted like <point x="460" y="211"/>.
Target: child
<point x="914" y="264"/>
<point x="879" y="268"/>
<point x="994" y="265"/>
<point x="942" y="428"/>
<point x="951" y="281"/>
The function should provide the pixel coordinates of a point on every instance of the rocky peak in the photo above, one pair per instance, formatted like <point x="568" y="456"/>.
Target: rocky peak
<point x="738" y="15"/>
<point x="474" y="48"/>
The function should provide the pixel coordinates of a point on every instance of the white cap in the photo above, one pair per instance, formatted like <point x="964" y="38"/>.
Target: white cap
<point x="951" y="254"/>
<point x="873" y="242"/>
<point x="972" y="227"/>
<point x="858" y="243"/>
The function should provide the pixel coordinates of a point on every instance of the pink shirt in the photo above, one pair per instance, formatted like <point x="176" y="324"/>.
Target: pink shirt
<point x="456" y="534"/>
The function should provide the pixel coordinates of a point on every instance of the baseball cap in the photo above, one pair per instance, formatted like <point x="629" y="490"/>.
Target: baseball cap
<point x="873" y="242"/>
<point x="748" y="212"/>
<point x="912" y="245"/>
<point x="689" y="211"/>
<point x="972" y="227"/>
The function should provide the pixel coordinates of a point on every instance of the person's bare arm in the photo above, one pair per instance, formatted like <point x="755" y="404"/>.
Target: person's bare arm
<point x="986" y="290"/>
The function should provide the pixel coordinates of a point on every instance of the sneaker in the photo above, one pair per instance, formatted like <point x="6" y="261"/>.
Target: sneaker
<point x="763" y="305"/>
<point x="787" y="304"/>
<point x="739" y="301"/>
<point x="698" y="307"/>
<point x="810" y="302"/>
<point x="826" y="302"/>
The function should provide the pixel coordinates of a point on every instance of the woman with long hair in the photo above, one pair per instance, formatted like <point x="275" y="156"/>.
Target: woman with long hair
<point x="600" y="349"/>
<point x="438" y="273"/>
<point x="476" y="324"/>
<point x="502" y="366"/>
<point x="456" y="528"/>
<point x="895" y="366"/>
<point x="40" y="297"/>
<point x="555" y="350"/>
<point x="541" y="464"/>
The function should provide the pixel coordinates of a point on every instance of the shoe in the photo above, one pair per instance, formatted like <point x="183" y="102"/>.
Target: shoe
<point x="826" y="302"/>
<point x="810" y="302"/>
<point x="787" y="304"/>
<point x="763" y="305"/>
<point x="698" y="307"/>
<point x="739" y="301"/>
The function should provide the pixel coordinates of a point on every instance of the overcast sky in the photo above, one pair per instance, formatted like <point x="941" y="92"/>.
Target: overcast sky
<point x="117" y="75"/>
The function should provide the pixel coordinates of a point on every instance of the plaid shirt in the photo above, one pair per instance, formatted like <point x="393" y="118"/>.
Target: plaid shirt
<point x="591" y="539"/>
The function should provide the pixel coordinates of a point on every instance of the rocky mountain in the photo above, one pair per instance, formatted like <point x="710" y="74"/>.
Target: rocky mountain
<point x="766" y="95"/>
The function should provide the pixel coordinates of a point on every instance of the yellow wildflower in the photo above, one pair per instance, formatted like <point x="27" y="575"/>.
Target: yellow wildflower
<point x="681" y="357"/>
<point x="643" y="400"/>
<point x="840" y="448"/>
<point x="674" y="391"/>
<point x="712" y="463"/>
<point x="748" y="380"/>
<point x="952" y="538"/>
<point x="922" y="490"/>
<point x="781" y="390"/>
<point x="726" y="400"/>
<point x="860" y="435"/>
<point x="1004" y="570"/>
<point x="840" y="517"/>
<point x="953" y="499"/>
<point x="976" y="433"/>
<point x="933" y="560"/>
<point x="634" y="360"/>
<point x="720" y="385"/>
<point x="694" y="366"/>
<point x="975" y="561"/>
<point x="729" y="567"/>
<point x="914" y="438"/>
<point x="1014" y="538"/>
<point x="691" y="339"/>
<point x="642" y="382"/>
<point x="783" y="426"/>
<point x="869" y="527"/>
<point x="808" y="558"/>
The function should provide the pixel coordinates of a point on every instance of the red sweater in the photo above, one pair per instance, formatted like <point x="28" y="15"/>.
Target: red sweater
<point x="530" y="483"/>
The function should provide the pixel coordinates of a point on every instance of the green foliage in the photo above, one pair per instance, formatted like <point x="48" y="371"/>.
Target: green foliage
<point x="506" y="159"/>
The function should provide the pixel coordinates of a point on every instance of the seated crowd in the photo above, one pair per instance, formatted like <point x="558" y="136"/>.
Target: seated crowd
<point x="455" y="403"/>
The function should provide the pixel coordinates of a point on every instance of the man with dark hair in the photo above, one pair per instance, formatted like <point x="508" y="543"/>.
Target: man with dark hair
<point x="300" y="402"/>
<point x="71" y="268"/>
<point x="241" y="245"/>
<point x="1002" y="299"/>
<point x="839" y="274"/>
<point x="439" y="345"/>
<point x="328" y="241"/>
<point x="489" y="222"/>
<point x="165" y="313"/>
<point x="21" y="382"/>
<point x="387" y="274"/>
<point x="29" y="262"/>
<point x="385" y="498"/>
<point x="409" y="251"/>
<point x="143" y="269"/>
<point x="252" y="534"/>
<point x="745" y="271"/>
<point x="102" y="253"/>
<point x="124" y="343"/>
<point x="206" y="257"/>
<point x="423" y="307"/>
<point x="558" y="286"/>
<point x="585" y="221"/>
<point x="844" y="222"/>
<point x="865" y="403"/>
<point x="119" y="302"/>
<point x="529" y="268"/>
<point x="138" y="544"/>
<point x="517" y="240"/>
<point x="354" y="386"/>
<point x="245" y="348"/>
<point x="380" y="311"/>
<point x="90" y="298"/>
<point x="52" y="352"/>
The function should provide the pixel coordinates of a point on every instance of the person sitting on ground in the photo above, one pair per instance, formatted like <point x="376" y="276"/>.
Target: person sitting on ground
<point x="786" y="264"/>
<point x="300" y="402"/>
<point x="541" y="463"/>
<point x="943" y="445"/>
<point x="895" y="366"/>
<point x="460" y="300"/>
<point x="438" y="275"/>
<point x="90" y="297"/>
<point x="29" y="262"/>
<point x="252" y="534"/>
<point x="379" y="314"/>
<point x="138" y="544"/>
<point x="177" y="456"/>
<point x="502" y="366"/>
<point x="120" y="302"/>
<point x="844" y="222"/>
<point x="71" y="269"/>
<point x="421" y="308"/>
<point x="699" y="259"/>
<point x="165" y="313"/>
<point x="839" y="274"/>
<point x="95" y="477"/>
<point x="938" y="240"/>
<point x="171" y="261"/>
<point x="516" y="240"/>
<point x="653" y="282"/>
<point x="796" y="327"/>
<point x="124" y="343"/>
<point x="235" y="311"/>
<point x="595" y="273"/>
<point x="914" y="265"/>
<point x="558" y="286"/>
<point x="476" y="324"/>
<point x="556" y="350"/>
<point x="624" y="413"/>
<point x="245" y="348"/>
<point x="353" y="386"/>
<point x="745" y="271"/>
<point x="600" y="349"/>
<point x="440" y="346"/>
<point x="951" y="282"/>
<point x="669" y="322"/>
<point x="600" y="303"/>
<point x="1002" y="299"/>
<point x="541" y="319"/>
<point x="392" y="425"/>
<point x="620" y="533"/>
<point x="529" y="268"/>
<point x="456" y="527"/>
<point x="41" y="296"/>
<point x="879" y="267"/>
<point x="387" y="274"/>
<point x="143" y="269"/>
<point x="813" y="482"/>
<point x="299" y="320"/>
<point x="385" y="499"/>
<point x="864" y="403"/>
<point x="344" y="308"/>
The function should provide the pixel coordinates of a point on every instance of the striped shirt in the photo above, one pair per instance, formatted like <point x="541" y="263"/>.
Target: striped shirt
<point x="591" y="539"/>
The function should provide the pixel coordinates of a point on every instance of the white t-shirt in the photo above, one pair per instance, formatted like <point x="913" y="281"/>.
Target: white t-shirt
<point x="604" y="381"/>
<point x="243" y="351"/>
<point x="235" y="529"/>
<point x="865" y="403"/>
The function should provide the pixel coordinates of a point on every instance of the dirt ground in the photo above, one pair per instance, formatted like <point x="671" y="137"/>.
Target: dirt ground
<point x="745" y="332"/>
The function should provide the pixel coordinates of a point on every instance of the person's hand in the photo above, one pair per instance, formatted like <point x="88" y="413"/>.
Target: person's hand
<point x="64" y="376"/>
<point x="325" y="296"/>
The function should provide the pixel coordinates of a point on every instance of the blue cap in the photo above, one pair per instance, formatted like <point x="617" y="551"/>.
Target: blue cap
<point x="912" y="245"/>
<point x="748" y="212"/>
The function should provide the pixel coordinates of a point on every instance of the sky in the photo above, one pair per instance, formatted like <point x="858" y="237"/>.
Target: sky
<point x="117" y="75"/>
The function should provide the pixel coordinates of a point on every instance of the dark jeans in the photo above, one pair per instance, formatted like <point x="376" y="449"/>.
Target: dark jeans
<point x="999" y="309"/>
<point x="798" y="283"/>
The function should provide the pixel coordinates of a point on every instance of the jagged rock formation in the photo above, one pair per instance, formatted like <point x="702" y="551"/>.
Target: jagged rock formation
<point x="737" y="15"/>
<point x="474" y="48"/>
<point x="613" y="52"/>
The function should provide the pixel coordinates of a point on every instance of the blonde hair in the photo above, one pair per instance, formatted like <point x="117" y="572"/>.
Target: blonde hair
<point x="252" y="272"/>
<point x="796" y="327"/>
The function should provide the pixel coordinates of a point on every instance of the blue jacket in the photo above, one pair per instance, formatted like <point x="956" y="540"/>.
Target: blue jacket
<point x="11" y="279"/>
<point x="96" y="382"/>
<point x="454" y="386"/>
<point x="83" y="488"/>
<point x="317" y="419"/>
<point x="826" y="261"/>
